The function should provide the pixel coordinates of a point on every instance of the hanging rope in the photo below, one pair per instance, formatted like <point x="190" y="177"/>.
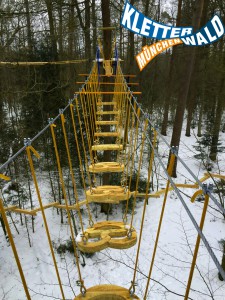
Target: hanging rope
<point x="30" y="149"/>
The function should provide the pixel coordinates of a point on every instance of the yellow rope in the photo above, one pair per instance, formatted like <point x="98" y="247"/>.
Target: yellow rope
<point x="132" y="287"/>
<point x="70" y="166"/>
<point x="28" y="150"/>
<point x="132" y="163"/>
<point x="195" y="254"/>
<point x="91" y="223"/>
<point x="52" y="126"/>
<point x="13" y="246"/>
<point x="170" y="169"/>
<point x="139" y="171"/>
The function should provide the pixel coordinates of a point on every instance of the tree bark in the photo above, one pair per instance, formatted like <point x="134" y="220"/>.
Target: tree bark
<point x="107" y="46"/>
<point x="223" y="262"/>
<point x="170" y="77"/>
<point x="185" y="82"/>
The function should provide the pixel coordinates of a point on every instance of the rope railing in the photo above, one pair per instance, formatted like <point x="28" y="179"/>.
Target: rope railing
<point x="205" y="189"/>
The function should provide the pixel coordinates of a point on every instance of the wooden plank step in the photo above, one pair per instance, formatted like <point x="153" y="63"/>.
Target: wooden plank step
<point x="108" y="194"/>
<point x="107" y="83"/>
<point x="122" y="75"/>
<point x="104" y="167"/>
<point x="109" y="112"/>
<point x="107" y="103"/>
<point x="106" y="234"/>
<point x="106" y="122"/>
<point x="108" y="93"/>
<point x="104" y="147"/>
<point x="103" y="134"/>
<point x="107" y="291"/>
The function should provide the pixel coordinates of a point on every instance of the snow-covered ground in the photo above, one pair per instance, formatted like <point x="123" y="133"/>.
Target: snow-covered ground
<point x="173" y="257"/>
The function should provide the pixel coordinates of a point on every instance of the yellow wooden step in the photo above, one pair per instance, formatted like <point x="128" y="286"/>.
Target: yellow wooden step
<point x="107" y="234"/>
<point x="109" y="112"/>
<point x="107" y="291"/>
<point x="102" y="134"/>
<point x="108" y="194"/>
<point x="106" y="103"/>
<point x="103" y="147"/>
<point x="106" y="122"/>
<point x="104" y="167"/>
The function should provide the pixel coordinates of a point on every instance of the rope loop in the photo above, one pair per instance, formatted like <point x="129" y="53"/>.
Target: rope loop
<point x="129" y="233"/>
<point x="83" y="289"/>
<point x="124" y="219"/>
<point x="132" y="288"/>
<point x="91" y="223"/>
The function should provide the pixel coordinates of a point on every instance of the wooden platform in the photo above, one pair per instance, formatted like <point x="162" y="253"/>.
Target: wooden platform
<point x="106" y="123"/>
<point x="102" y="75"/>
<point x="107" y="292"/>
<point x="105" y="147"/>
<point x="108" y="194"/>
<point x="108" y="234"/>
<point x="107" y="93"/>
<point x="107" y="103"/>
<point x="104" y="167"/>
<point x="103" y="134"/>
<point x="110" y="112"/>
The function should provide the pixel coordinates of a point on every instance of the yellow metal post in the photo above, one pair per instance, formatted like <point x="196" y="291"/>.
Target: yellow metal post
<point x="14" y="248"/>
<point x="28" y="150"/>
<point x="197" y="241"/>
<point x="132" y="288"/>
<point x="170" y="169"/>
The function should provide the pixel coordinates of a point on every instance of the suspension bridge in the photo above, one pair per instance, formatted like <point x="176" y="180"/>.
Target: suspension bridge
<point x="105" y="117"/>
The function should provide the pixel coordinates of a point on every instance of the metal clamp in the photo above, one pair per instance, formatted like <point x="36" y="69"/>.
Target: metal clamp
<point x="27" y="142"/>
<point x="50" y="120"/>
<point x="207" y="188"/>
<point x="174" y="150"/>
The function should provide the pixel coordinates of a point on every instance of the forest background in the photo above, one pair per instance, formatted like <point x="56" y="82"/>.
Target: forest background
<point x="190" y="78"/>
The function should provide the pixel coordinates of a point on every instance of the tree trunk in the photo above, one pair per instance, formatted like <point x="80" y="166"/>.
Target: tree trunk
<point x="29" y="31"/>
<point x="146" y="3"/>
<point x="201" y="57"/>
<point x="107" y="46"/>
<point x="170" y="77"/>
<point x="53" y="40"/>
<point x="223" y="262"/>
<point x="190" y="54"/>
<point x="216" y="129"/>
<point x="94" y="24"/>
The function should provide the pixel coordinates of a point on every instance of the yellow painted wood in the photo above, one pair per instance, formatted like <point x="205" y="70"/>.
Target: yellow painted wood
<point x="107" y="292"/>
<point x="108" y="234"/>
<point x="72" y="207"/>
<point x="209" y="175"/>
<point x="118" y="75"/>
<point x="143" y="195"/>
<point x="24" y="211"/>
<point x="108" y="194"/>
<point x="106" y="103"/>
<point x="45" y="206"/>
<point x="10" y="207"/>
<point x="103" y="134"/>
<point x="110" y="112"/>
<point x="106" y="167"/>
<point x="108" y="83"/>
<point x="106" y="122"/>
<point x="179" y="185"/>
<point x="108" y="93"/>
<point x="104" y="147"/>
